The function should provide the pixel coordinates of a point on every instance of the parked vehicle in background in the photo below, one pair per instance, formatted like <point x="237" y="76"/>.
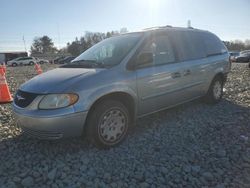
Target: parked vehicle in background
<point x="41" y="61"/>
<point x="55" y="61"/>
<point x="102" y="92"/>
<point x="245" y="51"/>
<point x="243" y="57"/>
<point x="233" y="55"/>
<point x="67" y="59"/>
<point x="22" y="61"/>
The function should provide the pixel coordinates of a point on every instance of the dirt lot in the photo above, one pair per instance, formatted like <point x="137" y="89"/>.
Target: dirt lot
<point x="193" y="145"/>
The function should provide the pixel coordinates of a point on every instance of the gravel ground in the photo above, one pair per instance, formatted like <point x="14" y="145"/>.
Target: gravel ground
<point x="193" y="145"/>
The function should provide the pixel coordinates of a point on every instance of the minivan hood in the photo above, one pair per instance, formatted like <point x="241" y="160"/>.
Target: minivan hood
<point x="56" y="80"/>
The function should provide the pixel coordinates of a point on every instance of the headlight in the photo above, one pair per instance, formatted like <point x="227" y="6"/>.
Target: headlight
<point x="54" y="101"/>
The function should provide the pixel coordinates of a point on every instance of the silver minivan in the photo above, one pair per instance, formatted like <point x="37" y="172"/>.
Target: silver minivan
<point x="102" y="92"/>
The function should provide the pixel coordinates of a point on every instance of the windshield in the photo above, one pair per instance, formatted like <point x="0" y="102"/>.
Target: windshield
<point x="106" y="53"/>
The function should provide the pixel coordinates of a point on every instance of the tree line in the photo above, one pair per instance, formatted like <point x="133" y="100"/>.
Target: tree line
<point x="44" y="45"/>
<point x="238" y="45"/>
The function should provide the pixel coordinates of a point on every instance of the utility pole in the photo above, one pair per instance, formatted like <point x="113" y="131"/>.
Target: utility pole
<point x="58" y="35"/>
<point x="24" y="43"/>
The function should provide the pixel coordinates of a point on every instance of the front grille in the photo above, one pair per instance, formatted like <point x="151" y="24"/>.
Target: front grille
<point x="23" y="99"/>
<point x="44" y="135"/>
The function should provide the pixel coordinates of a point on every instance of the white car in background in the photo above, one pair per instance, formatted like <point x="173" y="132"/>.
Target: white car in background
<point x="25" y="61"/>
<point x="22" y="61"/>
<point x="41" y="61"/>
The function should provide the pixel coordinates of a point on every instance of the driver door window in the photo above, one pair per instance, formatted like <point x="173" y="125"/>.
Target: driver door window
<point x="161" y="49"/>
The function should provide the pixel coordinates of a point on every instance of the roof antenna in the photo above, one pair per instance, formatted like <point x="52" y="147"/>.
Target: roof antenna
<point x="189" y="23"/>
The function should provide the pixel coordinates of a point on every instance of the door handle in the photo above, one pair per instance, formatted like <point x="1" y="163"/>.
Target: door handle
<point x="176" y="75"/>
<point x="187" y="72"/>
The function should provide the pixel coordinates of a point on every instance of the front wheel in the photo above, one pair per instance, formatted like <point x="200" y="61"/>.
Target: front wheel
<point x="215" y="91"/>
<point x="31" y="63"/>
<point x="108" y="123"/>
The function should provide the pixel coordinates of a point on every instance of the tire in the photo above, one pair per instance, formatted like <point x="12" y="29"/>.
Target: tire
<point x="215" y="91"/>
<point x="105" y="130"/>
<point x="14" y="64"/>
<point x="31" y="63"/>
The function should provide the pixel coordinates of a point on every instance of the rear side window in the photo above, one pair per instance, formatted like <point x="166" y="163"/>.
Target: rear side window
<point x="198" y="45"/>
<point x="188" y="44"/>
<point x="213" y="44"/>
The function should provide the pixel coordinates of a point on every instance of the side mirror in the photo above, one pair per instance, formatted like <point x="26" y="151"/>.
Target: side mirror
<point x="144" y="59"/>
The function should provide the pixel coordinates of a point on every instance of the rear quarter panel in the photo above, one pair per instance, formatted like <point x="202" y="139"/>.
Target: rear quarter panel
<point x="215" y="65"/>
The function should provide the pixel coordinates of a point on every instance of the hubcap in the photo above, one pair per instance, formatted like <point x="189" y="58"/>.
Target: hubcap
<point x="112" y="126"/>
<point x="217" y="90"/>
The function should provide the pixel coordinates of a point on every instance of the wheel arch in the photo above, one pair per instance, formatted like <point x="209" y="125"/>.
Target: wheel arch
<point x="219" y="75"/>
<point x="125" y="98"/>
<point x="89" y="129"/>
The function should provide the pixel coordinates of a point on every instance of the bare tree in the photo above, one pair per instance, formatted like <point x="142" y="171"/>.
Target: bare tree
<point x="43" y="45"/>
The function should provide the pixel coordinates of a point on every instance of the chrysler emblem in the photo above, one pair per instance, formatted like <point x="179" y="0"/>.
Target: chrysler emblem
<point x="19" y="97"/>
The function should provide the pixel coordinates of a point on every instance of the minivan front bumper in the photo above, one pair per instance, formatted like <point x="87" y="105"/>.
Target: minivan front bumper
<point x="51" y="128"/>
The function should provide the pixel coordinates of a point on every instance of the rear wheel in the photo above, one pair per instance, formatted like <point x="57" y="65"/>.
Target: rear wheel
<point x="108" y="123"/>
<point x="31" y="63"/>
<point x="215" y="91"/>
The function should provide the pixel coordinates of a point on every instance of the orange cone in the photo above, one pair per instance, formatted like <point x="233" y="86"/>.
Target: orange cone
<point x="5" y="95"/>
<point x="4" y="67"/>
<point x="38" y="69"/>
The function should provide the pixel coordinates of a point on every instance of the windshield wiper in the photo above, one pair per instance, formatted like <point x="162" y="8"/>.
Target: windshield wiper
<point x="84" y="64"/>
<point x="76" y="65"/>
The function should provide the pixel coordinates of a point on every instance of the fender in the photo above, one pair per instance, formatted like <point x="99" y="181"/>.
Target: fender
<point x="92" y="96"/>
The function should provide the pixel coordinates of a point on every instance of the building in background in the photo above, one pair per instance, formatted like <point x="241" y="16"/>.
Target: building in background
<point x="7" y="56"/>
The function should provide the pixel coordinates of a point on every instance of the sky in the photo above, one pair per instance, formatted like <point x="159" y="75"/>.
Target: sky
<point x="64" y="20"/>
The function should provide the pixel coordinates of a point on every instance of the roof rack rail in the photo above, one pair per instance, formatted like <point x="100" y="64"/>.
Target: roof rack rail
<point x="158" y="27"/>
<point x="149" y="28"/>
